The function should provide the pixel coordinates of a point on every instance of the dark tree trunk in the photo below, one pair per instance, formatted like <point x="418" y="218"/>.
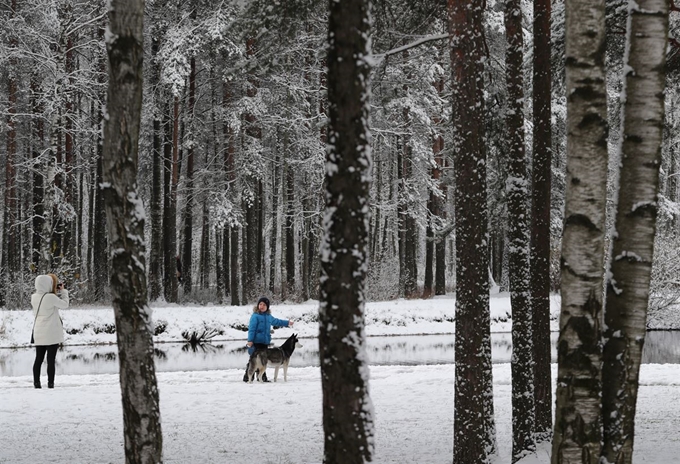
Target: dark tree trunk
<point x="474" y="432"/>
<point x="100" y="257"/>
<point x="290" y="230"/>
<point x="518" y="236"/>
<point x="347" y="409"/>
<point x="440" y="212"/>
<point x="156" y="253"/>
<point x="428" y="286"/>
<point x="275" y="215"/>
<point x="540" y="226"/>
<point x="125" y="214"/>
<point x="204" y="264"/>
<point x="38" y="221"/>
<point x="171" y="153"/>
<point x="188" y="250"/>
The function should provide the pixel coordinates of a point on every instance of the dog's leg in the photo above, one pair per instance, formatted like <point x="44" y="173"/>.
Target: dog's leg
<point x="276" y="372"/>
<point x="285" y="371"/>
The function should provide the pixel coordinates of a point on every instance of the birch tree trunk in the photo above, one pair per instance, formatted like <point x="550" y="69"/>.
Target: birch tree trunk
<point x="125" y="219"/>
<point x="518" y="237"/>
<point x="633" y="240"/>
<point x="540" y="226"/>
<point x="473" y="432"/>
<point x="347" y="408"/>
<point x="578" y="419"/>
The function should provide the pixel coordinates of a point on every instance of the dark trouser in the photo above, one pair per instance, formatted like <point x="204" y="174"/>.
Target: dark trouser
<point x="40" y="351"/>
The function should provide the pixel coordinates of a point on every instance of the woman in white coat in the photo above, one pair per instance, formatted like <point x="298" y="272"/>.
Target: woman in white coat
<point x="48" y="329"/>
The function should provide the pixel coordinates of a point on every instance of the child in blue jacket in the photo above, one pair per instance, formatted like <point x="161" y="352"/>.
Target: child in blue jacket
<point x="260" y="327"/>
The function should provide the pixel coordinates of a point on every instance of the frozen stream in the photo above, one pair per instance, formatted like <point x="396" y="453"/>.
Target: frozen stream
<point x="660" y="348"/>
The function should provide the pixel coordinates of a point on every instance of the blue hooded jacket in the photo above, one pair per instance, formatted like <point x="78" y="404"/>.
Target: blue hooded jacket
<point x="260" y="327"/>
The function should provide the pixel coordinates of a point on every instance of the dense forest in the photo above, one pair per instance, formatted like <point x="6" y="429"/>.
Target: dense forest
<point x="232" y="147"/>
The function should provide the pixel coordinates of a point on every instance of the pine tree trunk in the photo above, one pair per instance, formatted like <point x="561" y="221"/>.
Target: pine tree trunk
<point x="428" y="286"/>
<point x="187" y="258"/>
<point x="518" y="236"/>
<point x="156" y="204"/>
<point x="347" y="408"/>
<point x="171" y="154"/>
<point x="540" y="227"/>
<point x="125" y="214"/>
<point x="290" y="230"/>
<point x="633" y="244"/>
<point x="38" y="208"/>
<point x="578" y="419"/>
<point x="474" y="432"/>
<point x="275" y="216"/>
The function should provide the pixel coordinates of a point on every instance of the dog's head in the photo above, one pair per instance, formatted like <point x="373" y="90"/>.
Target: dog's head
<point x="297" y="342"/>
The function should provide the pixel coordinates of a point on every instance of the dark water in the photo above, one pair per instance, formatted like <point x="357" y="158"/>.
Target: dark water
<point x="660" y="347"/>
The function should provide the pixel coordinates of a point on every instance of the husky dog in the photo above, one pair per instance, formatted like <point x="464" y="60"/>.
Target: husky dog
<point x="280" y="356"/>
<point x="257" y="365"/>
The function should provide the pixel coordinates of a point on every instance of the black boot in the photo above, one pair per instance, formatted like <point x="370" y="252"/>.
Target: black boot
<point x="264" y="377"/>
<point x="37" y="384"/>
<point x="50" y="384"/>
<point x="245" y="376"/>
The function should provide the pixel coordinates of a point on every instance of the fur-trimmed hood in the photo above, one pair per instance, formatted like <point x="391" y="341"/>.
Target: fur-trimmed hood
<point x="256" y="311"/>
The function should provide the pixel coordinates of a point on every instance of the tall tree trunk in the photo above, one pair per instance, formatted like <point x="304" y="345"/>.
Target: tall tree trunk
<point x="474" y="432"/>
<point x="518" y="236"/>
<point x="231" y="248"/>
<point x="578" y="419"/>
<point x="633" y="244"/>
<point x="188" y="251"/>
<point x="171" y="154"/>
<point x="204" y="264"/>
<point x="100" y="257"/>
<point x="125" y="214"/>
<point x="428" y="286"/>
<point x="156" y="253"/>
<point x="275" y="215"/>
<point x="290" y="227"/>
<point x="10" y="224"/>
<point x="439" y="210"/>
<point x="38" y="262"/>
<point x="347" y="408"/>
<point x="540" y="214"/>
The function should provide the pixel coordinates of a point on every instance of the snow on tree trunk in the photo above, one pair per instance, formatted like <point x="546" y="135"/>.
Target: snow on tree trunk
<point x="518" y="237"/>
<point x="474" y="433"/>
<point x="125" y="219"/>
<point x="347" y="408"/>
<point x="578" y="419"/>
<point x="633" y="240"/>
<point x="540" y="227"/>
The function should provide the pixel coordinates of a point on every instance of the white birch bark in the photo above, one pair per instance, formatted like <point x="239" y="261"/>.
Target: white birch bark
<point x="633" y="240"/>
<point x="125" y="221"/>
<point x="578" y="418"/>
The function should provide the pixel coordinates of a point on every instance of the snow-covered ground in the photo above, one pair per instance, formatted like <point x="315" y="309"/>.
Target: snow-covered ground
<point x="213" y="417"/>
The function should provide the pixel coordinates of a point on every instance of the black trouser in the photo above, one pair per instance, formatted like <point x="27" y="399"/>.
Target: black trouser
<point x="40" y="351"/>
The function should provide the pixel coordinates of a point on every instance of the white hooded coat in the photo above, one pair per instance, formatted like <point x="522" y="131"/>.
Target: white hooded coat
<point x="48" y="329"/>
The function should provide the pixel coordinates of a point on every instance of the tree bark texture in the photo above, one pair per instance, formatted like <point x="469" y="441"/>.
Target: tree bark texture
<point x="518" y="237"/>
<point x="578" y="419"/>
<point x="633" y="240"/>
<point x="156" y="204"/>
<point x="347" y="408"/>
<point x="473" y="434"/>
<point x="188" y="248"/>
<point x="125" y="218"/>
<point x="540" y="214"/>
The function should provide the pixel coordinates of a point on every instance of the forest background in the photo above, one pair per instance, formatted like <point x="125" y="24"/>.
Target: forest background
<point x="232" y="148"/>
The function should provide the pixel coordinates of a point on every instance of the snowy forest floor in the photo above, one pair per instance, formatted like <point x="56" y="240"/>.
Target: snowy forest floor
<point x="213" y="417"/>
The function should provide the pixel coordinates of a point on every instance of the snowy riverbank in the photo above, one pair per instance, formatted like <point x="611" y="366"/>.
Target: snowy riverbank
<point x="399" y="317"/>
